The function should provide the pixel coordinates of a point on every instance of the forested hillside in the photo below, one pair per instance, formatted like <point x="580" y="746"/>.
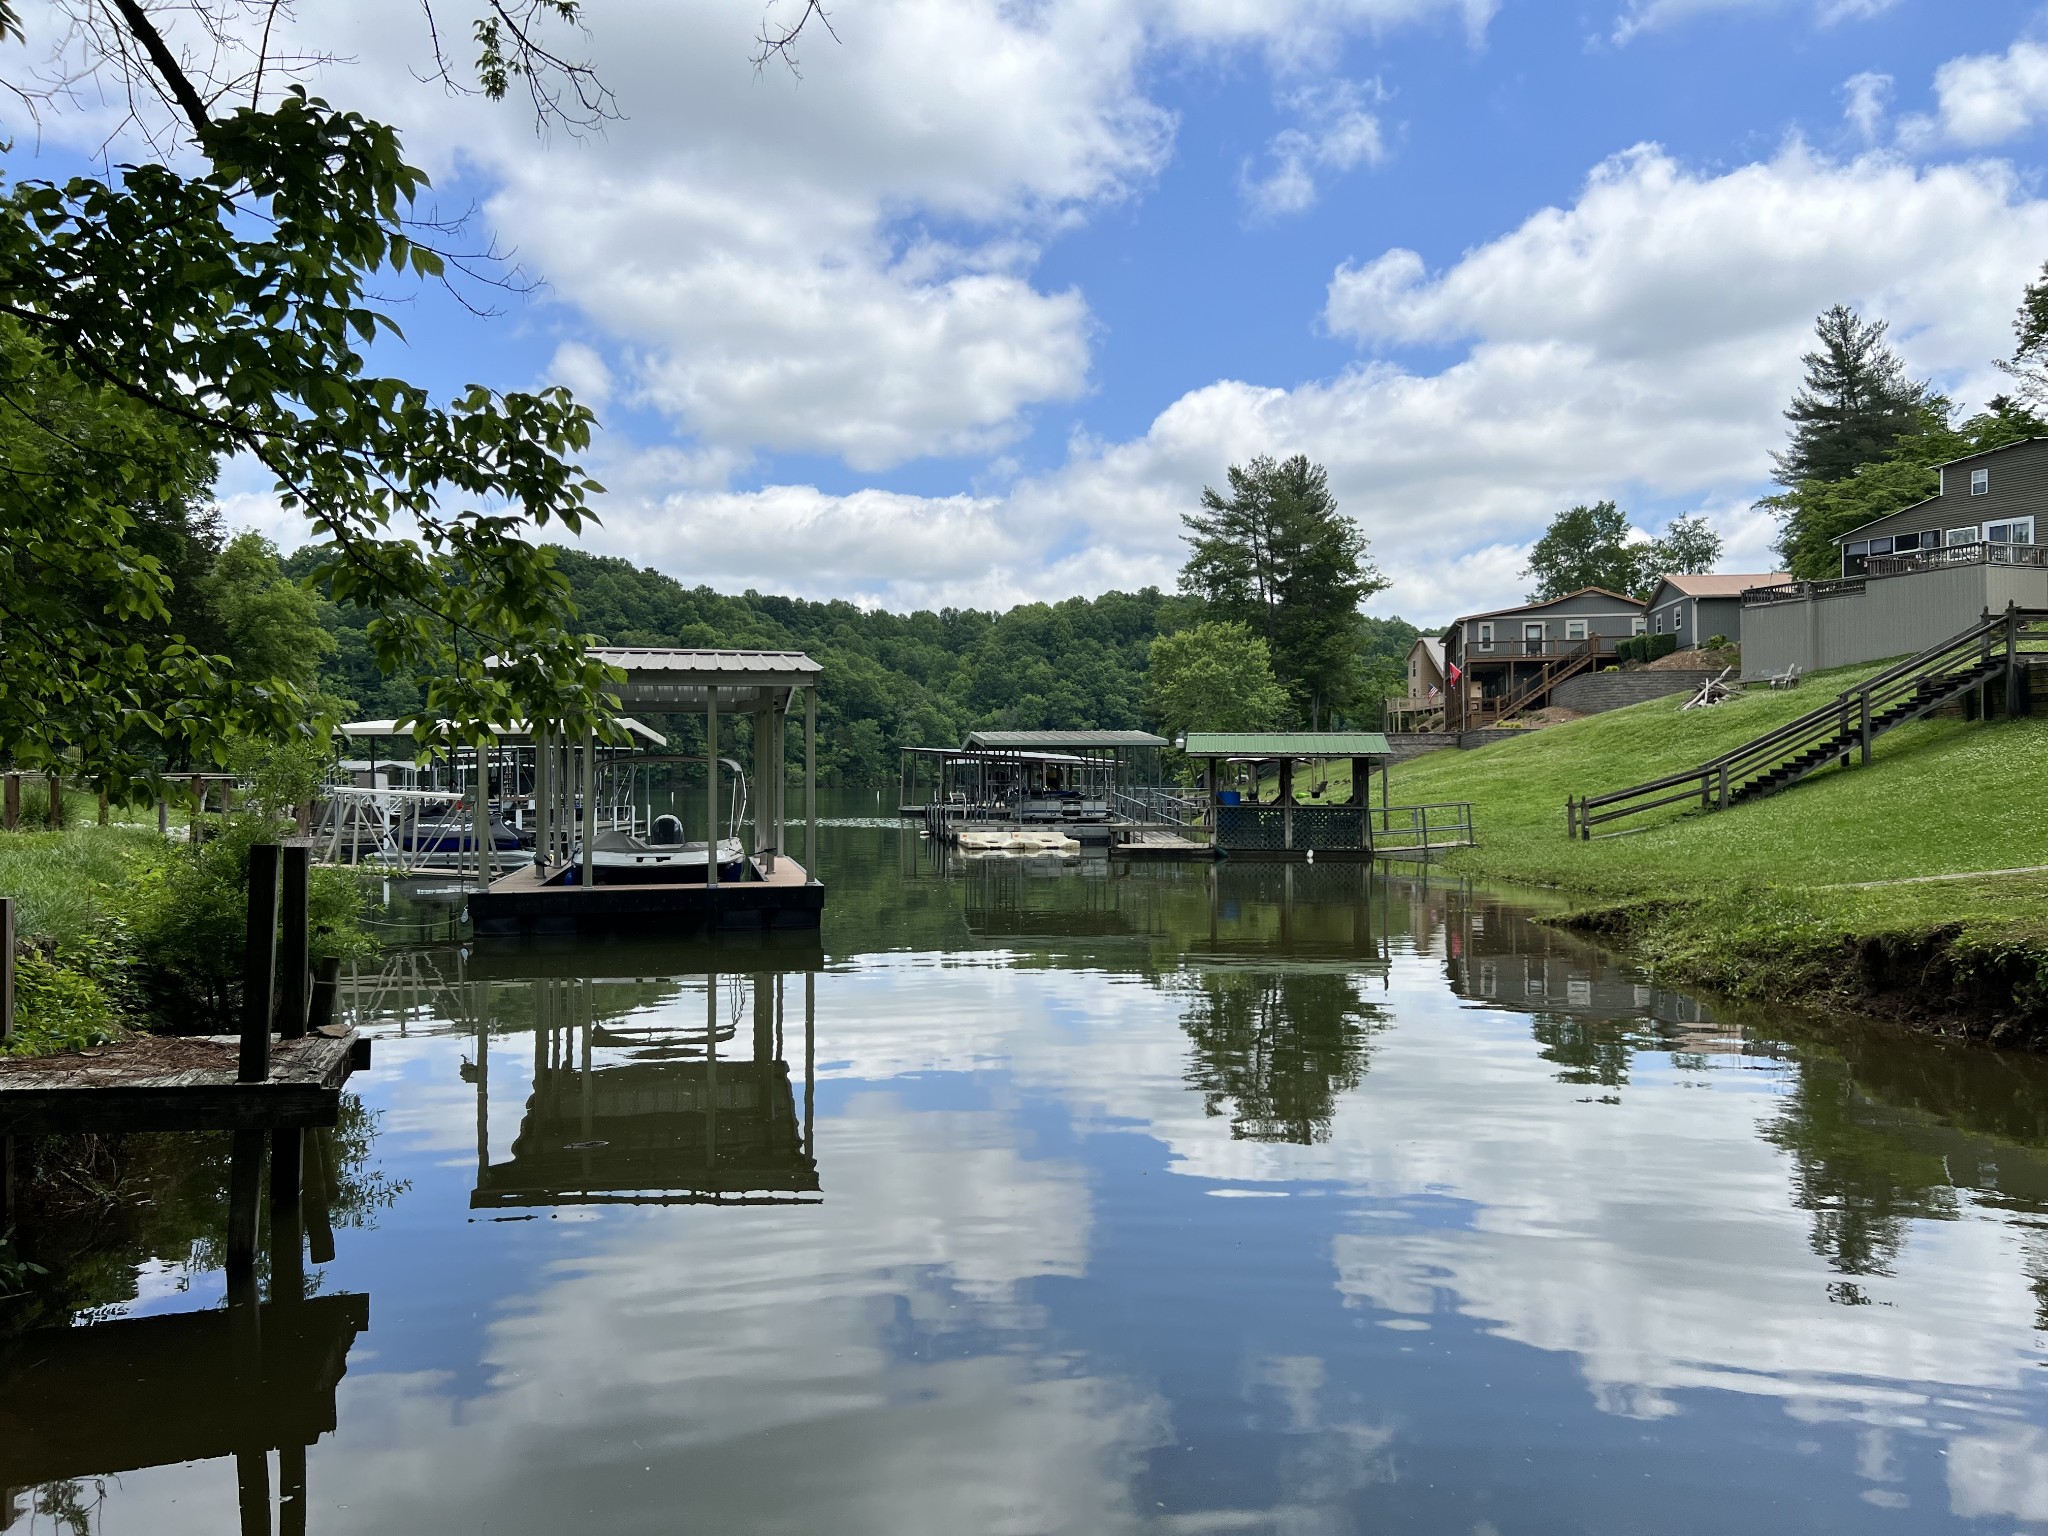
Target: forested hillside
<point x="891" y="680"/>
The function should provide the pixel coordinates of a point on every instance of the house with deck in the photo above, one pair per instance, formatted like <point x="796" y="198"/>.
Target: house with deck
<point x="1421" y="706"/>
<point x="1505" y="662"/>
<point x="1917" y="576"/>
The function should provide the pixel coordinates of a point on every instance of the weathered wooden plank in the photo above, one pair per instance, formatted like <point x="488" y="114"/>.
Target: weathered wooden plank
<point x="259" y="962"/>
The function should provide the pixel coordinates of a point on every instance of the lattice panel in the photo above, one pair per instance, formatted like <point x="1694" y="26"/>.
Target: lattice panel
<point x="1250" y="827"/>
<point x="1329" y="826"/>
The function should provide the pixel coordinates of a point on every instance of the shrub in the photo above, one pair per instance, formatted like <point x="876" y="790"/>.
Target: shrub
<point x="187" y="918"/>
<point x="57" y="1007"/>
<point x="1717" y="642"/>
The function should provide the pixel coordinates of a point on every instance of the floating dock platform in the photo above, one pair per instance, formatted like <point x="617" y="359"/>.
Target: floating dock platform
<point x="525" y="905"/>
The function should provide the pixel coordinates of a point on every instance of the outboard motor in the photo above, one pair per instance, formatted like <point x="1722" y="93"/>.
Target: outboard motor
<point x="667" y="832"/>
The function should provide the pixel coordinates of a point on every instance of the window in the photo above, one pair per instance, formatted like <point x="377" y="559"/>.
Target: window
<point x="1906" y="543"/>
<point x="1575" y="629"/>
<point x="1880" y="546"/>
<point x="1660" y="623"/>
<point x="1963" y="535"/>
<point x="1980" y="482"/>
<point x="2017" y="530"/>
<point x="1635" y="625"/>
<point x="1853" y="557"/>
<point x="1486" y="637"/>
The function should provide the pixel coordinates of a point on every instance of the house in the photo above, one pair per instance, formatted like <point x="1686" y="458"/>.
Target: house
<point x="1506" y="661"/>
<point x="1697" y="608"/>
<point x="1988" y="498"/>
<point x="1421" y="705"/>
<point x="1914" y="577"/>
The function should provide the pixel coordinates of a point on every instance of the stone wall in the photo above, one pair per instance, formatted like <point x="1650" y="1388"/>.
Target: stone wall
<point x="1407" y="744"/>
<point x="1594" y="693"/>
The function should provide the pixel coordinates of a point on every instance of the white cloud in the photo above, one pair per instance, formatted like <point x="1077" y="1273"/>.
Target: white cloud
<point x="1639" y="343"/>
<point x="1339" y="134"/>
<point x="1650" y="15"/>
<point x="1865" y="98"/>
<point x="1989" y="98"/>
<point x="843" y="264"/>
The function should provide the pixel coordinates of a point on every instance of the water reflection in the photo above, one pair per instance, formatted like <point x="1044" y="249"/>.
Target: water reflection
<point x="1174" y="1199"/>
<point x="81" y="1405"/>
<point x="625" y="1112"/>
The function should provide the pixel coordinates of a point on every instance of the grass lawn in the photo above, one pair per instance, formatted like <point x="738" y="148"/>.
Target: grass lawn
<point x="1765" y="895"/>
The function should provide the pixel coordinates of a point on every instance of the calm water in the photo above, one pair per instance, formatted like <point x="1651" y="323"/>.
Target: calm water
<point x="1098" y="1199"/>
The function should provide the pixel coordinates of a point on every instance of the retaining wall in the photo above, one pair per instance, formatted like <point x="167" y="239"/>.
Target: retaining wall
<point x="1594" y="693"/>
<point x="1407" y="744"/>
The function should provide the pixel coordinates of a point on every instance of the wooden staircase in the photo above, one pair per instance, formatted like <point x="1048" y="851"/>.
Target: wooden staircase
<point x="1570" y="664"/>
<point x="1970" y="663"/>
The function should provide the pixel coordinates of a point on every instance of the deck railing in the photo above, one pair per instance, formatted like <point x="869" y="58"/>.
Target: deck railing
<point x="1168" y="804"/>
<point x="1422" y="828"/>
<point x="1980" y="553"/>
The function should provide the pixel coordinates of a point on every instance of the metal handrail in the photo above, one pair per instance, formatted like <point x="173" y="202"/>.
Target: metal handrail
<point x="1850" y="721"/>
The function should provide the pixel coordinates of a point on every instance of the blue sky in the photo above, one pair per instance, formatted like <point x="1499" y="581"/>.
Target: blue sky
<point x="971" y="312"/>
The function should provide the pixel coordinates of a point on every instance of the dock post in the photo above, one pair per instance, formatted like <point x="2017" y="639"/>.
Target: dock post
<point x="711" y="790"/>
<point x="295" y="950"/>
<point x="589" y="805"/>
<point x="811" y="782"/>
<point x="318" y="1199"/>
<point x="764" y="802"/>
<point x="245" y="1186"/>
<point x="259" y="963"/>
<point x="6" y="969"/>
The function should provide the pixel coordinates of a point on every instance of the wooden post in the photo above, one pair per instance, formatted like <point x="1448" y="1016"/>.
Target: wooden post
<point x="2012" y="663"/>
<point x="163" y="817"/>
<point x="811" y="781"/>
<point x="711" y="789"/>
<point x="10" y="808"/>
<point x="318" y="1201"/>
<point x="245" y="1186"/>
<point x="294" y="954"/>
<point x="6" y="969"/>
<point x="291" y="1490"/>
<point x="1865" y="726"/>
<point x="259" y="964"/>
<point x="103" y="807"/>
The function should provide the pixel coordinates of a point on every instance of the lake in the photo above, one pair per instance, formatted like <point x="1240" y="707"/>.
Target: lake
<point x="1105" y="1197"/>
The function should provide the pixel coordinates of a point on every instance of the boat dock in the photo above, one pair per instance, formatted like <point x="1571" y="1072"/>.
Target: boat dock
<point x="525" y="905"/>
<point x="281" y="1076"/>
<point x="567" y="889"/>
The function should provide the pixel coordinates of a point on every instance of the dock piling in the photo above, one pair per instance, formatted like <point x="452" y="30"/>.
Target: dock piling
<point x="245" y="1183"/>
<point x="259" y="962"/>
<point x="294" y="966"/>
<point x="6" y="969"/>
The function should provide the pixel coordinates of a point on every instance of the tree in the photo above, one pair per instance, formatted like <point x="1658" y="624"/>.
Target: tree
<point x="1855" y="404"/>
<point x="1595" y="547"/>
<point x="1278" y="556"/>
<point x="1814" y="513"/>
<point x="1585" y="546"/>
<point x="269" y="624"/>
<point x="2028" y="366"/>
<point x="1688" y="548"/>
<point x="221" y="293"/>
<point x="1216" y="676"/>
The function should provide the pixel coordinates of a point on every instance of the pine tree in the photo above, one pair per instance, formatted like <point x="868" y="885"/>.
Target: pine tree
<point x="1278" y="557"/>
<point x="1856" y="403"/>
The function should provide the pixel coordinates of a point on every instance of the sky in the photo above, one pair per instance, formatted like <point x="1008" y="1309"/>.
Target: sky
<point x="969" y="309"/>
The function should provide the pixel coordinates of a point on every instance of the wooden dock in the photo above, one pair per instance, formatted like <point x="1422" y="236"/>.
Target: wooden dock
<point x="178" y="1083"/>
<point x="527" y="904"/>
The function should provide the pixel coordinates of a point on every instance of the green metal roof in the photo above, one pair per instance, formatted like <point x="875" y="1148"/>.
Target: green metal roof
<point x="1287" y="744"/>
<point x="1061" y="741"/>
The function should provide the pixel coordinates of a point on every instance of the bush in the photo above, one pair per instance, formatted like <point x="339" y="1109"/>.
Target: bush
<point x="57" y="1007"/>
<point x="1717" y="642"/>
<point x="187" y="919"/>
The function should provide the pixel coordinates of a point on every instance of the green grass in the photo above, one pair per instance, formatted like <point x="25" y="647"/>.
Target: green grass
<point x="1753" y="897"/>
<point x="61" y="879"/>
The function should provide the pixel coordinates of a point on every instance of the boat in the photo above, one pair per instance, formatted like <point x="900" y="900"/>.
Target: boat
<point x="662" y="857"/>
<point x="453" y="833"/>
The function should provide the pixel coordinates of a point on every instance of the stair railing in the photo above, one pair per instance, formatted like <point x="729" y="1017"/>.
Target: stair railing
<point x="1850" y="722"/>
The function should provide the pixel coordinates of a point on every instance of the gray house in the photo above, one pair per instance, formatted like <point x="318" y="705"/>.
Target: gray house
<point x="1993" y="497"/>
<point x="1501" y="663"/>
<point x="1697" y="608"/>
<point x="1915" y="577"/>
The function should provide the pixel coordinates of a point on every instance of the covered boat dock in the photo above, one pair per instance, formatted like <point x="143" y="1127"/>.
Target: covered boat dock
<point x="557" y="892"/>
